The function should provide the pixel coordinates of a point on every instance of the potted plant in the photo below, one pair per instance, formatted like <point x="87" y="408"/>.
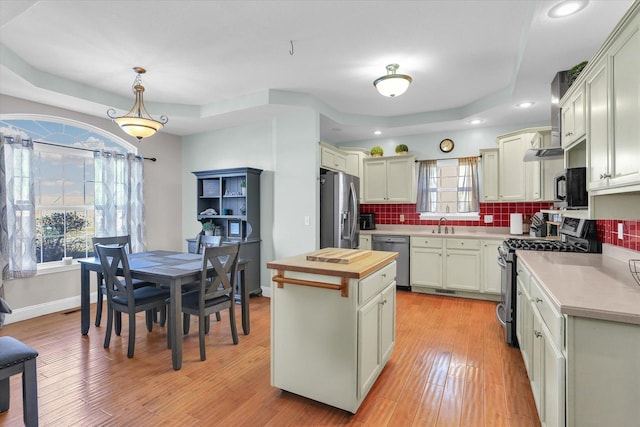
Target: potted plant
<point x="243" y="186"/>
<point x="207" y="228"/>
<point x="377" y="151"/>
<point x="402" y="149"/>
<point x="574" y="72"/>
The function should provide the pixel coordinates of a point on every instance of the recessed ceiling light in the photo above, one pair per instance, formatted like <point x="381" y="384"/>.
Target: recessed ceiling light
<point x="475" y="121"/>
<point x="566" y="8"/>
<point x="525" y="104"/>
<point x="377" y="132"/>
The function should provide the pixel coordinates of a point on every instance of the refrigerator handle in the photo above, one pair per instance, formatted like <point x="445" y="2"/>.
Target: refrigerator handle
<point x="353" y="211"/>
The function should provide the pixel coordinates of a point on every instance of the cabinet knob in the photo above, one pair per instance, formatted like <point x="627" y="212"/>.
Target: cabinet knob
<point x="538" y="300"/>
<point x="384" y="275"/>
<point x="519" y="293"/>
<point x="537" y="334"/>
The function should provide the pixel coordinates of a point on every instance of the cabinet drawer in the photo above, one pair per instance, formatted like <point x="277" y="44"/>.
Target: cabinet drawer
<point x="426" y="242"/>
<point x="548" y="313"/>
<point x="374" y="283"/>
<point x="463" y="244"/>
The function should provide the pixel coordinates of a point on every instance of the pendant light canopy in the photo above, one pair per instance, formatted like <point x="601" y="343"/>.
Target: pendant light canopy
<point x="138" y="122"/>
<point x="392" y="84"/>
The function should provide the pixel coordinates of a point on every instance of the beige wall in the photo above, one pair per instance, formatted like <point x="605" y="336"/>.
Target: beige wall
<point x="47" y="293"/>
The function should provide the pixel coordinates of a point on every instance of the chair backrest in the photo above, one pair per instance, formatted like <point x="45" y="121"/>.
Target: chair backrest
<point x="114" y="258"/>
<point x="114" y="240"/>
<point x="221" y="280"/>
<point x="204" y="241"/>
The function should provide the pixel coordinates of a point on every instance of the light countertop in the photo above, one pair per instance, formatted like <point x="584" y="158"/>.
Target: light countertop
<point x="496" y="233"/>
<point x="586" y="285"/>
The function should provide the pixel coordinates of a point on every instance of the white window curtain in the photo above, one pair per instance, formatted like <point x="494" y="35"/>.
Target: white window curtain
<point x="17" y="208"/>
<point x="119" y="208"/>
<point x="468" y="184"/>
<point x="427" y="186"/>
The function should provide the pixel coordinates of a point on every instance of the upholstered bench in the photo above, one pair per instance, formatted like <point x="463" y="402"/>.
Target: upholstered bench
<point x="17" y="357"/>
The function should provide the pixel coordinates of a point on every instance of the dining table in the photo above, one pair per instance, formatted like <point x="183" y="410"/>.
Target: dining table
<point x="165" y="268"/>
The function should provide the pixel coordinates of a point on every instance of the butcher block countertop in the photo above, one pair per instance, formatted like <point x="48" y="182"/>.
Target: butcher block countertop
<point x="360" y="263"/>
<point x="586" y="285"/>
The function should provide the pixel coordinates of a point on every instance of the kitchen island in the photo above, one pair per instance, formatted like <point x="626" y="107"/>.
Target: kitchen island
<point x="332" y="323"/>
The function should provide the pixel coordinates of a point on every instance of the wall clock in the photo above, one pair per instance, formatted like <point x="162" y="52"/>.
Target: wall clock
<point x="446" y="145"/>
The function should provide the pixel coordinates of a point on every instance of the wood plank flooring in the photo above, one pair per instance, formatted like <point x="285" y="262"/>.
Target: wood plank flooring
<point x="450" y="367"/>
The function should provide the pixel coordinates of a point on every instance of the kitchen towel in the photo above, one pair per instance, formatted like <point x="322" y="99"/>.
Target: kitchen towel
<point x="515" y="223"/>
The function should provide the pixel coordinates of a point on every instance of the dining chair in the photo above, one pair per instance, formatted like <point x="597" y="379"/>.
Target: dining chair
<point x="216" y="290"/>
<point x="202" y="241"/>
<point x="126" y="242"/>
<point x="122" y="297"/>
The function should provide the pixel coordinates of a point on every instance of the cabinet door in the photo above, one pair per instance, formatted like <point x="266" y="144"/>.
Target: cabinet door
<point x="597" y="91"/>
<point x="567" y="124"/>
<point x="375" y="181"/>
<point x="579" y="121"/>
<point x="365" y="242"/>
<point x="512" y="172"/>
<point x="524" y="325"/>
<point x="490" y="175"/>
<point x="553" y="385"/>
<point x="537" y="362"/>
<point x="400" y="179"/>
<point x="368" y="345"/>
<point x="332" y="159"/>
<point x="353" y="164"/>
<point x="625" y="103"/>
<point x="491" y="273"/>
<point x="426" y="267"/>
<point x="387" y="322"/>
<point x="462" y="270"/>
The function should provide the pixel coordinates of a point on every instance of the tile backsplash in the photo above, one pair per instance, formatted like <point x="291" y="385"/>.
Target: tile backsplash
<point x="607" y="228"/>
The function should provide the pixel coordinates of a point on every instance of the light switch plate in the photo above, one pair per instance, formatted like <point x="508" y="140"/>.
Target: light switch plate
<point x="488" y="219"/>
<point x="401" y="218"/>
<point x="621" y="231"/>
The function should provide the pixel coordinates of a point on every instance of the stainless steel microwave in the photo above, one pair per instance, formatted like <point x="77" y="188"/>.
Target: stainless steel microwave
<point x="571" y="189"/>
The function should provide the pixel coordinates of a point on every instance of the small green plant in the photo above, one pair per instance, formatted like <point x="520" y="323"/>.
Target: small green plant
<point x="401" y="148"/>
<point x="377" y="151"/>
<point x="207" y="226"/>
<point x="575" y="72"/>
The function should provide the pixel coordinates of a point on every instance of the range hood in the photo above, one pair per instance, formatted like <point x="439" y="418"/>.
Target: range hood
<point x="559" y="86"/>
<point x="540" y="154"/>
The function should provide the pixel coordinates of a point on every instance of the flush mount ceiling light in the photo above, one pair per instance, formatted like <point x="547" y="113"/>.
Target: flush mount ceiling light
<point x="475" y="121"/>
<point x="392" y="84"/>
<point x="138" y="122"/>
<point x="525" y="104"/>
<point x="566" y="8"/>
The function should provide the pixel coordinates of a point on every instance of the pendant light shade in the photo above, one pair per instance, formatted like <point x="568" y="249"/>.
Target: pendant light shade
<point x="392" y="84"/>
<point x="138" y="122"/>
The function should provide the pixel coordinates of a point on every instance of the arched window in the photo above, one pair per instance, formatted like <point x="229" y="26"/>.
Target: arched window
<point x="64" y="180"/>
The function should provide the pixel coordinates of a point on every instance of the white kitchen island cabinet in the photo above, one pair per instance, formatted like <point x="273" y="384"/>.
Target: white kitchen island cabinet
<point x="332" y="325"/>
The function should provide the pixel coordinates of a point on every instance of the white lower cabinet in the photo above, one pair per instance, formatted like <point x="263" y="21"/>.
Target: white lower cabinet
<point x="376" y="333"/>
<point x="462" y="271"/>
<point x="426" y="262"/>
<point x="364" y="242"/>
<point x="524" y="319"/>
<point x="490" y="282"/>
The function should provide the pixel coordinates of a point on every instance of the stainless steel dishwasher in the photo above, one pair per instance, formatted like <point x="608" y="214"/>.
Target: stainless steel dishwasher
<point x="400" y="244"/>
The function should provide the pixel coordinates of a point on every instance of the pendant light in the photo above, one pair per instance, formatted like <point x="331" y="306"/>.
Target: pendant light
<point x="138" y="122"/>
<point x="392" y="84"/>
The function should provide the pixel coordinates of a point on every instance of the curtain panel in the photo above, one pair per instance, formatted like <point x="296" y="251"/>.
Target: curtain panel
<point x="427" y="186"/>
<point x="119" y="207"/>
<point x="468" y="186"/>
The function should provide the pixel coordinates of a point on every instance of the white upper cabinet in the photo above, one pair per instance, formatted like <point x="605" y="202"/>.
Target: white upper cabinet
<point x="490" y="175"/>
<point x="331" y="158"/>
<point x="573" y="117"/>
<point x="512" y="171"/>
<point x="389" y="179"/>
<point x="613" y="90"/>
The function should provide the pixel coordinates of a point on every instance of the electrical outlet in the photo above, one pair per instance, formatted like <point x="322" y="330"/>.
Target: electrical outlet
<point x="306" y="220"/>
<point x="621" y="231"/>
<point x="488" y="219"/>
<point x="401" y="218"/>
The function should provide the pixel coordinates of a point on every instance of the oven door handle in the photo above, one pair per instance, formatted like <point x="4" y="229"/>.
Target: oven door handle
<point x="501" y="262"/>
<point x="500" y="308"/>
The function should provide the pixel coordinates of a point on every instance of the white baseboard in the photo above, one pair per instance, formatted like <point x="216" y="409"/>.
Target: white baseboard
<point x="32" y="311"/>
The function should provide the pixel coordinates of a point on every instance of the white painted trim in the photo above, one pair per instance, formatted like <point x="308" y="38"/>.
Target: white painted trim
<point x="33" y="311"/>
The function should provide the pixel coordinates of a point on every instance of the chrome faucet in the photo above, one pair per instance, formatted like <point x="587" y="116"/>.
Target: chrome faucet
<point x="445" y="225"/>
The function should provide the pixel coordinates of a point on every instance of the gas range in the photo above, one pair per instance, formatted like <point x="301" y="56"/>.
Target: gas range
<point x="542" y="245"/>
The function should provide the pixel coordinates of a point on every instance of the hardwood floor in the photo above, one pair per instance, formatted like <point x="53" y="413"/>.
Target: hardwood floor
<point x="450" y="367"/>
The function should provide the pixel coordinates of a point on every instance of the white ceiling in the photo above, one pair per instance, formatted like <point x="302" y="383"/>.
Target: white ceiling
<point x="215" y="64"/>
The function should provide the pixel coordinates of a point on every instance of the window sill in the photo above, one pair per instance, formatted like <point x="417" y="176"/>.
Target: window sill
<point x="56" y="267"/>
<point x="474" y="216"/>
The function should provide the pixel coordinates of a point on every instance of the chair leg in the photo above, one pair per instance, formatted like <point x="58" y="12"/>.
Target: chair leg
<point x="99" y="306"/>
<point x="163" y="316"/>
<point x="186" y="323"/>
<point x="201" y="332"/>
<point x="132" y="333"/>
<point x="149" y="316"/>
<point x="232" y="320"/>
<point x="207" y="323"/>
<point x="218" y="318"/>
<point x="30" y="394"/>
<point x="4" y="394"/>
<point x="107" y="334"/>
<point x="168" y="331"/>
<point x="118" y="322"/>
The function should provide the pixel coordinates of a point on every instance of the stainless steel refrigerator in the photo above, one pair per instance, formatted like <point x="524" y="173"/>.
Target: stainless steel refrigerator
<point x="339" y="210"/>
